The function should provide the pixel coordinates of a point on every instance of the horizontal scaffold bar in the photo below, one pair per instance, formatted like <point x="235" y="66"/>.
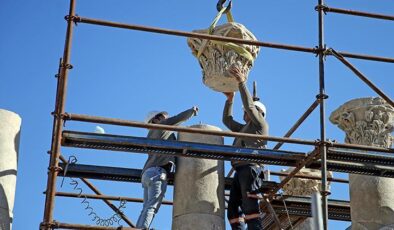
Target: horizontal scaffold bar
<point x="78" y="19"/>
<point x="299" y="206"/>
<point x="368" y="163"/>
<point x="128" y="123"/>
<point x="358" y="13"/>
<point x="59" y="225"/>
<point x="179" y="148"/>
<point x="126" y="174"/>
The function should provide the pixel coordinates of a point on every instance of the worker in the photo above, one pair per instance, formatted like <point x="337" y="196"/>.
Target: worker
<point x="157" y="167"/>
<point x="243" y="204"/>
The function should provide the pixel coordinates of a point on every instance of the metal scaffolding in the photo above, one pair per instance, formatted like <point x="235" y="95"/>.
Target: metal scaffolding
<point x="324" y="154"/>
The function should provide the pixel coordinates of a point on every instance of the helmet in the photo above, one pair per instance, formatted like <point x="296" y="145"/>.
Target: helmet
<point x="152" y="114"/>
<point x="261" y="106"/>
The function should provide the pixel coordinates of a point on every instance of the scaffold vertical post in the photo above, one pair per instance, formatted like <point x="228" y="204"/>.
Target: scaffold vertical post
<point x="322" y="96"/>
<point x="59" y="110"/>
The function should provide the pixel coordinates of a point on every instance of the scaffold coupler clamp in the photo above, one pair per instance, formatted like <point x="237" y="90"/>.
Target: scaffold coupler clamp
<point x="67" y="65"/>
<point x="322" y="7"/>
<point x="325" y="193"/>
<point x="73" y="18"/>
<point x="55" y="169"/>
<point x="321" y="96"/>
<point x="48" y="225"/>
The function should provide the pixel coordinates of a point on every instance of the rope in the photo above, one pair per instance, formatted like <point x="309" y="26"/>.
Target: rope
<point x="237" y="48"/>
<point x="287" y="211"/>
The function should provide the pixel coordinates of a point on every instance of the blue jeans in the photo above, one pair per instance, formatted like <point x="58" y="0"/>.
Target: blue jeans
<point x="154" y="182"/>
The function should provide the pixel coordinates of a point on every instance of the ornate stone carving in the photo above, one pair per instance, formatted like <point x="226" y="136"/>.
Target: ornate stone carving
<point x="304" y="187"/>
<point x="368" y="121"/>
<point x="301" y="186"/>
<point x="216" y="58"/>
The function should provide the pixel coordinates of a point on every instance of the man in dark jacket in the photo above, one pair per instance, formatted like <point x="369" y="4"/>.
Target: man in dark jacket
<point x="154" y="173"/>
<point x="248" y="176"/>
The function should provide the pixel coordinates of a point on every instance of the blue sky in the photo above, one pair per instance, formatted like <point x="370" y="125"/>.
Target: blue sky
<point x="124" y="74"/>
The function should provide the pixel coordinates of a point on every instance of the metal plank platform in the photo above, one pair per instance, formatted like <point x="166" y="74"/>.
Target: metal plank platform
<point x="339" y="160"/>
<point x="297" y="207"/>
<point x="127" y="175"/>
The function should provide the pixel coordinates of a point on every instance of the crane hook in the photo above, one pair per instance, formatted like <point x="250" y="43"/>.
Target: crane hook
<point x="220" y="4"/>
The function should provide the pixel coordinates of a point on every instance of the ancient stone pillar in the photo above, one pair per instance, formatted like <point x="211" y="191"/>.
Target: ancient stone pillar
<point x="368" y="121"/>
<point x="10" y="124"/>
<point x="304" y="187"/>
<point x="199" y="188"/>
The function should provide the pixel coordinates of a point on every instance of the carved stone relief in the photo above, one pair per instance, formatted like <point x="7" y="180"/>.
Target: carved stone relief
<point x="366" y="121"/>
<point x="301" y="186"/>
<point x="216" y="58"/>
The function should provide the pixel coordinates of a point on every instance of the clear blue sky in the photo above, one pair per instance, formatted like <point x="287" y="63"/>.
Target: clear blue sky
<point x="124" y="74"/>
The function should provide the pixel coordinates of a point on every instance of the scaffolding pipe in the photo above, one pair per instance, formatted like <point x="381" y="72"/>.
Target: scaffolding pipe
<point x="360" y="147"/>
<point x="291" y="130"/>
<point x="58" y="123"/>
<point x="120" y="122"/>
<point x="58" y="225"/>
<point x="299" y="166"/>
<point x="323" y="145"/>
<point x="310" y="177"/>
<point x="112" y="121"/>
<point x="220" y="38"/>
<point x="105" y="197"/>
<point x="95" y="190"/>
<point x="322" y="96"/>
<point x="298" y="123"/>
<point x="361" y="76"/>
<point x="358" y="13"/>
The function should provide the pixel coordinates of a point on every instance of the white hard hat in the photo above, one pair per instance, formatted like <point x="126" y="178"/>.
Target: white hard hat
<point x="152" y="114"/>
<point x="261" y="106"/>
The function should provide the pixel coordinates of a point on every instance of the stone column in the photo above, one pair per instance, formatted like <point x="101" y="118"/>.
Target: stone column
<point x="10" y="124"/>
<point x="304" y="187"/>
<point x="368" y="121"/>
<point x="199" y="188"/>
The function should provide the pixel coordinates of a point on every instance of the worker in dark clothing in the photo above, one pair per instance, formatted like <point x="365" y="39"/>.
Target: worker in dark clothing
<point x="154" y="173"/>
<point x="243" y="205"/>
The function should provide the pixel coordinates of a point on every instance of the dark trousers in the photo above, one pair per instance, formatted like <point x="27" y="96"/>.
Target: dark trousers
<point x="247" y="179"/>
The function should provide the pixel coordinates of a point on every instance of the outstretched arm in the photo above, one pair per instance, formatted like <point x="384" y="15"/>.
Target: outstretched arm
<point x="255" y="116"/>
<point x="228" y="119"/>
<point x="181" y="117"/>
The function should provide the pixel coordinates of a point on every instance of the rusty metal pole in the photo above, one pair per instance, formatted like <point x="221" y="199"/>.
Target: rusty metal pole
<point x="298" y="122"/>
<point x="322" y="96"/>
<point x="361" y="76"/>
<point x="359" y="13"/>
<point x="59" y="110"/>
<point x="95" y="190"/>
<point x="220" y="38"/>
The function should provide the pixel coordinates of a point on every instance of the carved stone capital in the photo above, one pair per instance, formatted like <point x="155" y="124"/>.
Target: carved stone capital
<point x="304" y="187"/>
<point x="216" y="57"/>
<point x="366" y="121"/>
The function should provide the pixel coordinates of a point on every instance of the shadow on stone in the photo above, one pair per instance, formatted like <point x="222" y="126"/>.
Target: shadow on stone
<point x="5" y="219"/>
